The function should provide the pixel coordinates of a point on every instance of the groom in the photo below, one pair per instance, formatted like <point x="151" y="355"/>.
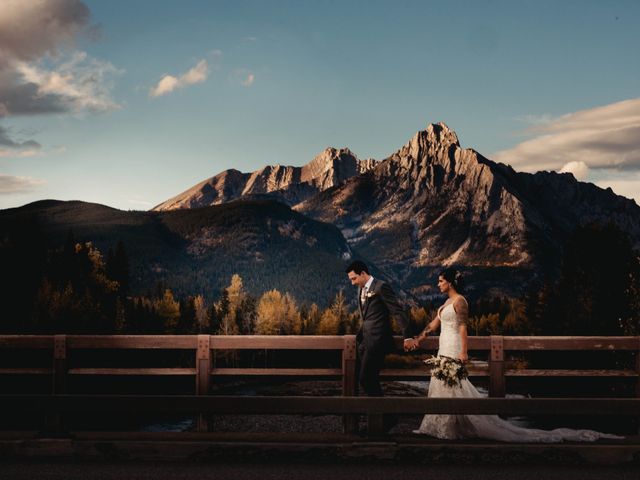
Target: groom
<point x="375" y="338"/>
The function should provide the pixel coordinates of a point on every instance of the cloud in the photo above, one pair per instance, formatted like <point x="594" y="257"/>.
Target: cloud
<point x="15" y="148"/>
<point x="579" y="170"/>
<point x="10" y="184"/>
<point x="168" y="83"/>
<point x="76" y="84"/>
<point x="39" y="70"/>
<point x="543" y="119"/>
<point x="8" y="144"/>
<point x="243" y="76"/>
<point x="606" y="137"/>
<point x="31" y="28"/>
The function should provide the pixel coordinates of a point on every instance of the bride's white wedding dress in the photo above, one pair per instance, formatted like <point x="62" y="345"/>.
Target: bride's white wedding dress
<point x="482" y="426"/>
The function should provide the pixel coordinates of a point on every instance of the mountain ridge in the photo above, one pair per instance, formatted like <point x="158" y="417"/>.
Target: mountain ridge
<point x="433" y="203"/>
<point x="196" y="251"/>
<point x="290" y="184"/>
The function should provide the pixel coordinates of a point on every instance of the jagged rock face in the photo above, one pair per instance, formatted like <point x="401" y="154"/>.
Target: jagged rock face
<point x="433" y="203"/>
<point x="287" y="184"/>
<point x="430" y="203"/>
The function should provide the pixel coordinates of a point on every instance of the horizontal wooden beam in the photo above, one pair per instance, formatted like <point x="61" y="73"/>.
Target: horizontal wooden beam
<point x="169" y="342"/>
<point x="280" y="342"/>
<point x="26" y="341"/>
<point x="431" y="343"/>
<point x="138" y="404"/>
<point x="571" y="343"/>
<point x="425" y="372"/>
<point x="132" y="371"/>
<point x="414" y="373"/>
<point x="26" y="371"/>
<point x="569" y="373"/>
<point x="299" y="372"/>
<point x="307" y="342"/>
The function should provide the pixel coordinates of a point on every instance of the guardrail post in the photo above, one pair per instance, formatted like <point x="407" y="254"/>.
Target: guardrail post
<point x="203" y="376"/>
<point x="496" y="367"/>
<point x="349" y="380"/>
<point x="54" y="424"/>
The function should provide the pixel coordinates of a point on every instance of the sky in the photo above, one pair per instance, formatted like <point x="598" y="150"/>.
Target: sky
<point x="130" y="102"/>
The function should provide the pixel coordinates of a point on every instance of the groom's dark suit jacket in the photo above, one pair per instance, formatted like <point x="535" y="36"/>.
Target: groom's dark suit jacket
<point x="380" y="305"/>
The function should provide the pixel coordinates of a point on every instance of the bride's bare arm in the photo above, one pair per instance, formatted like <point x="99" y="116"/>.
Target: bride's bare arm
<point x="462" y="313"/>
<point x="430" y="328"/>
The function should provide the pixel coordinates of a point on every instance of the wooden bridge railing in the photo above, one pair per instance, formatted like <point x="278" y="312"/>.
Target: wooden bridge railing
<point x="204" y="345"/>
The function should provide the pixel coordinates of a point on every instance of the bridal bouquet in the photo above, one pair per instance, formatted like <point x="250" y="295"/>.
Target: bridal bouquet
<point x="450" y="370"/>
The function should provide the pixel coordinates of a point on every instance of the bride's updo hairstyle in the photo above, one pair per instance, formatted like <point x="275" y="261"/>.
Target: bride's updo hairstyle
<point x="454" y="277"/>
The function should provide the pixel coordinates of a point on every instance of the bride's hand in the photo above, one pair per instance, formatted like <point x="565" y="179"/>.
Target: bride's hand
<point x="464" y="357"/>
<point x="410" y="344"/>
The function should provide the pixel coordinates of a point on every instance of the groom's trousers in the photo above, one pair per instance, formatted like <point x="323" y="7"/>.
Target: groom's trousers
<point x="370" y="362"/>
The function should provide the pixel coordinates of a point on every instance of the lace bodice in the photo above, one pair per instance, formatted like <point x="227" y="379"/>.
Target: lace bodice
<point x="449" y="341"/>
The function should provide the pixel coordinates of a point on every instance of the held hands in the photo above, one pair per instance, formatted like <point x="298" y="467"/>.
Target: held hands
<point x="410" y="344"/>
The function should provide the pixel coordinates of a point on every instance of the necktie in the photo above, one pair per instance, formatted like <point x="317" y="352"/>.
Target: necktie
<point x="363" y="295"/>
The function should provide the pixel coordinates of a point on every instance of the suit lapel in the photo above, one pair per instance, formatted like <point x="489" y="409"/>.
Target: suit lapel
<point x="366" y="300"/>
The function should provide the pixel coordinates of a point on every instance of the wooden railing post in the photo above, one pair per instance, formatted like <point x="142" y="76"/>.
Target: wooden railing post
<point x="349" y="380"/>
<point x="638" y="382"/>
<point x="203" y="375"/>
<point x="54" y="425"/>
<point x="496" y="367"/>
<point x="59" y="364"/>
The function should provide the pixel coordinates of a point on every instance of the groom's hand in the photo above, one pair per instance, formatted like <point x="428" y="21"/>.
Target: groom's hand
<point x="410" y="344"/>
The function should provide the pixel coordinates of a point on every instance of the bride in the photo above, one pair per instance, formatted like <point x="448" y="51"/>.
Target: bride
<point x="452" y="319"/>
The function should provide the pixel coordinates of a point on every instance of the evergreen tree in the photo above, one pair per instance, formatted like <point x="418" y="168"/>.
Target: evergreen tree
<point x="117" y="267"/>
<point x="593" y="289"/>
<point x="187" y="320"/>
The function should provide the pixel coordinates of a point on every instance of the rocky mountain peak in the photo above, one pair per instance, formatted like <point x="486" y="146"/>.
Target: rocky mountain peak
<point x="288" y="184"/>
<point x="436" y="139"/>
<point x="342" y="160"/>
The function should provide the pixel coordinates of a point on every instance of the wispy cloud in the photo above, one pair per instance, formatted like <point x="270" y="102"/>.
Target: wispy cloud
<point x="10" y="147"/>
<point x="168" y="83"/>
<point x="77" y="84"/>
<point x="10" y="184"/>
<point x="542" y="119"/>
<point x="606" y="137"/>
<point x="600" y="144"/>
<point x="40" y="72"/>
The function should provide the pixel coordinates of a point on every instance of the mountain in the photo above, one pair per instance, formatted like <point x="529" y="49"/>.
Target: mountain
<point x="289" y="185"/>
<point x="430" y="204"/>
<point x="194" y="251"/>
<point x="433" y="203"/>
